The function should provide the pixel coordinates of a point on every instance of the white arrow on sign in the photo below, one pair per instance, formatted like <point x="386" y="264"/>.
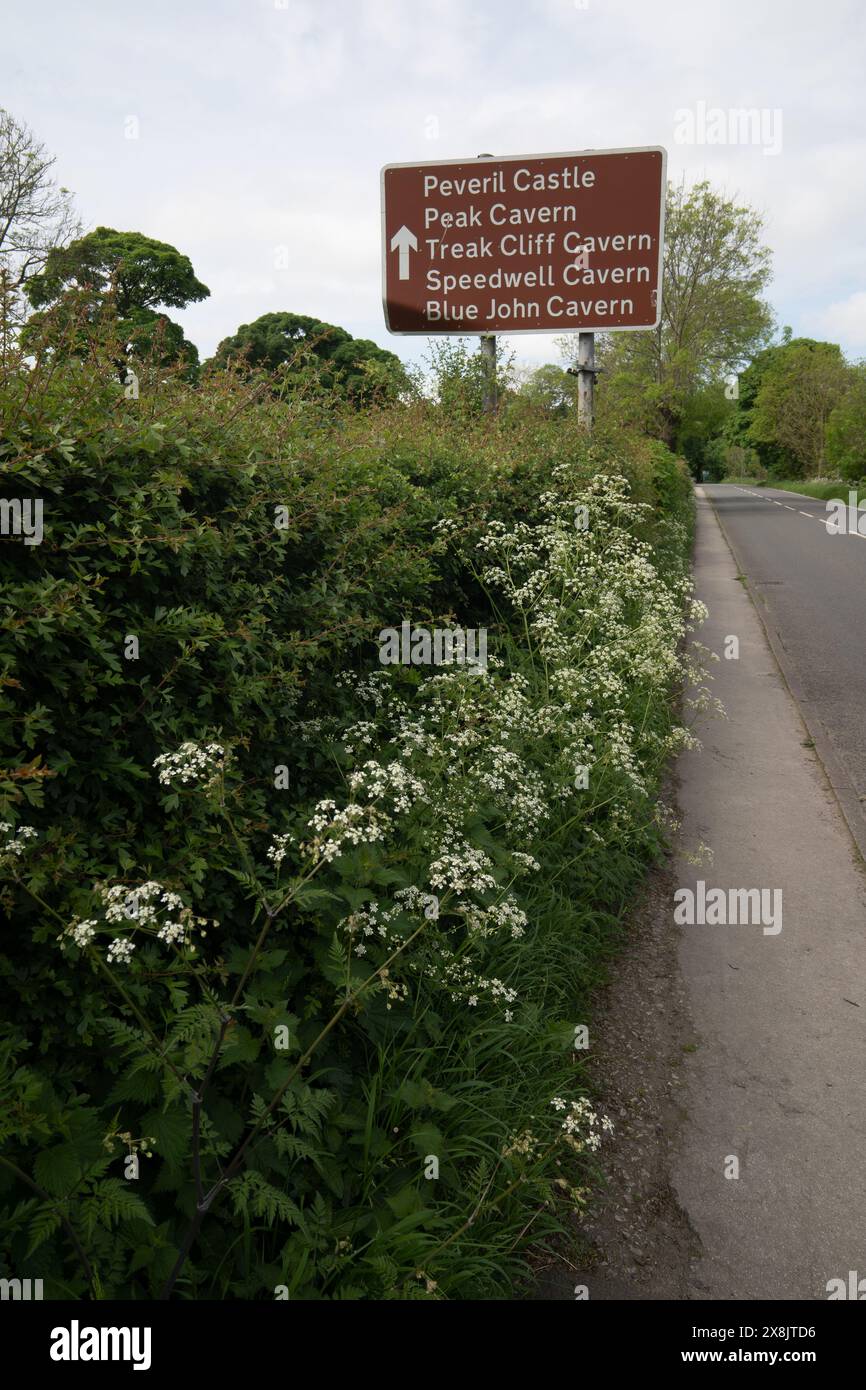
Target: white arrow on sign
<point x="403" y="241"/>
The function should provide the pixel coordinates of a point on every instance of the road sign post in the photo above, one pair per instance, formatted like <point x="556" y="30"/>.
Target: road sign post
<point x="586" y="372"/>
<point x="488" y="353"/>
<point x="559" y="243"/>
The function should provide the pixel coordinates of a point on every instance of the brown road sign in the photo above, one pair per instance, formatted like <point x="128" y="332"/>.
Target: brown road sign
<point x="552" y="243"/>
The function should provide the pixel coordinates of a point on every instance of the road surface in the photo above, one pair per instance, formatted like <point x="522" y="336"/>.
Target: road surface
<point x="778" y="1080"/>
<point x="810" y="589"/>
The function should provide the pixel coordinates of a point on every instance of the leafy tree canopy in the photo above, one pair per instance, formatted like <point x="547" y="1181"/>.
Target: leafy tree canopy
<point x="552" y="388"/>
<point x="798" y="390"/>
<point x="784" y="398"/>
<point x="714" y="317"/>
<point x="354" y="366"/>
<point x="140" y="272"/>
<point x="117" y="281"/>
<point x="846" y="429"/>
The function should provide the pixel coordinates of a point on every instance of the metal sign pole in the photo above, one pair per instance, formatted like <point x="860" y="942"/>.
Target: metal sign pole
<point x="488" y="353"/>
<point x="586" y="374"/>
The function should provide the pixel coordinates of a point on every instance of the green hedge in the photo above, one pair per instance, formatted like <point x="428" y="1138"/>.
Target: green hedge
<point x="260" y="638"/>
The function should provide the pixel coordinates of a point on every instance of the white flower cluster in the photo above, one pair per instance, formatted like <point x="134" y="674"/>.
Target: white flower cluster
<point x="82" y="933"/>
<point x="366" y="922"/>
<point x="309" y="730"/>
<point x="464" y="982"/>
<point x="172" y="932"/>
<point x="279" y="848"/>
<point x="124" y="904"/>
<point x="391" y="782"/>
<point x="504" y="916"/>
<point x="374" y="922"/>
<point x="18" y="841"/>
<point x="461" y="868"/>
<point x="192" y="763"/>
<point x="583" y="1128"/>
<point x="362" y="734"/>
<point x="602" y="623"/>
<point x="150" y="908"/>
<point x="334" y="829"/>
<point x="524" y="863"/>
<point x="369" y="688"/>
<point x="120" y="951"/>
<point x="373" y="926"/>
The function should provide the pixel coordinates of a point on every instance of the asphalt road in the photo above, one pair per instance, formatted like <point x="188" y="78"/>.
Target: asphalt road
<point x="809" y="586"/>
<point x="777" y="1080"/>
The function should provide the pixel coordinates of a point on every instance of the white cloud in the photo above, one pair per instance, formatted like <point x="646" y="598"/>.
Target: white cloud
<point x="845" y="322"/>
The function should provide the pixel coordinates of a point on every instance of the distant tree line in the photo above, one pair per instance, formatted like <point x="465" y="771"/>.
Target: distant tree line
<point x="59" y="288"/>
<point x="709" y="381"/>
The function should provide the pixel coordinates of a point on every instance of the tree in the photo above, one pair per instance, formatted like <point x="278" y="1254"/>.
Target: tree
<point x="552" y="388"/>
<point x="35" y="216"/>
<point x="799" y="388"/>
<point x="770" y="456"/>
<point x="702" y="421"/>
<point x="713" y="315"/>
<point x="116" y="280"/>
<point x="846" y="429"/>
<point x="724" y="460"/>
<point x="459" y="376"/>
<point x="289" y="344"/>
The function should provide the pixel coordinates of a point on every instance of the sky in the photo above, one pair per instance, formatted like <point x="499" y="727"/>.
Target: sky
<point x="250" y="134"/>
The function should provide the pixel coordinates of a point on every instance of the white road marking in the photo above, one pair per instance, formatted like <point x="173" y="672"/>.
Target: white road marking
<point x="810" y="516"/>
